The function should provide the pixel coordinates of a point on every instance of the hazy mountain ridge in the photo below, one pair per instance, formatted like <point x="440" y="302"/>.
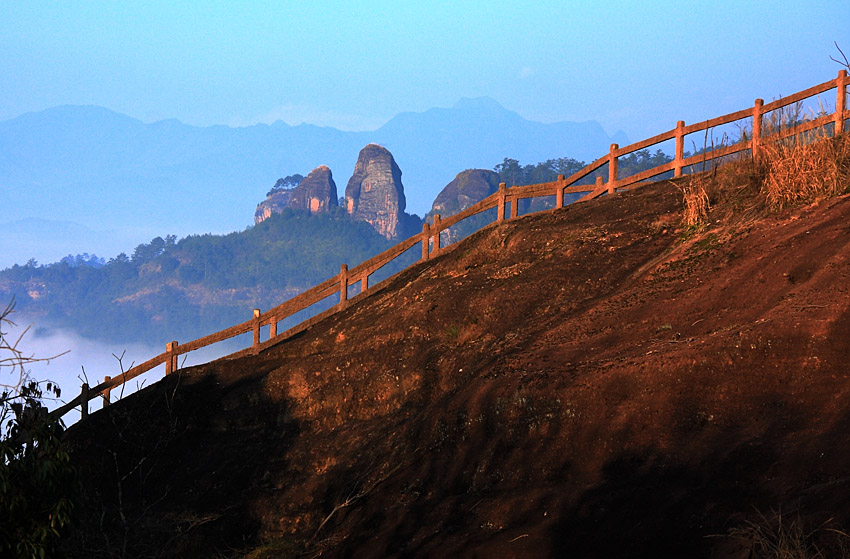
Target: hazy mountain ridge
<point x="106" y="170"/>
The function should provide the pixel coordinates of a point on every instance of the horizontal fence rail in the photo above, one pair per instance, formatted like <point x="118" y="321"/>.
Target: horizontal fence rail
<point x="505" y="197"/>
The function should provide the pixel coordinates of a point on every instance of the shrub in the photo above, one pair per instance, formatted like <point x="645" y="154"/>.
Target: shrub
<point x="36" y="476"/>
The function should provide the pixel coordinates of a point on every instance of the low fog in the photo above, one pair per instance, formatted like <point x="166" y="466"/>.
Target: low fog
<point x="87" y="360"/>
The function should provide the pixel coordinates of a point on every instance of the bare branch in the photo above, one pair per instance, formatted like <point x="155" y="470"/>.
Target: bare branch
<point x="846" y="63"/>
<point x="123" y="371"/>
<point x="353" y="498"/>
<point x="13" y="361"/>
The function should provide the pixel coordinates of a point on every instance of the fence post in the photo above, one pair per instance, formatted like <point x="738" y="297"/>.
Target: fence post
<point x="612" y="169"/>
<point x="343" y="284"/>
<point x="680" y="149"/>
<point x="514" y="206"/>
<point x="757" y="126"/>
<point x="256" y="327"/>
<point x="436" y="234"/>
<point x="364" y="282"/>
<point x="170" y="358"/>
<point x="559" y="192"/>
<point x="84" y="393"/>
<point x="503" y="194"/>
<point x="841" y="95"/>
<point x="599" y="183"/>
<point x="273" y="327"/>
<point x="426" y="239"/>
<point x="106" y="392"/>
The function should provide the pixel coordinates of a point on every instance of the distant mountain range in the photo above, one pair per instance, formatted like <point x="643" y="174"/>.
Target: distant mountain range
<point x="106" y="171"/>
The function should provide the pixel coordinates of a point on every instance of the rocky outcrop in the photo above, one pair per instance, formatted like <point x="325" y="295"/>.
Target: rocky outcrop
<point x="316" y="194"/>
<point x="468" y="187"/>
<point x="375" y="193"/>
<point x="275" y="203"/>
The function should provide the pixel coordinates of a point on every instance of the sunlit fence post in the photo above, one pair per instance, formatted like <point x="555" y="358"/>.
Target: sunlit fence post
<point x="840" y="97"/>
<point x="559" y="191"/>
<point x="256" y="327"/>
<point x="612" y="169"/>
<point x="757" y="126"/>
<point x="343" y="284"/>
<point x="680" y="149"/>
<point x="436" y="234"/>
<point x="503" y="194"/>
<point x="426" y="239"/>
<point x="171" y="357"/>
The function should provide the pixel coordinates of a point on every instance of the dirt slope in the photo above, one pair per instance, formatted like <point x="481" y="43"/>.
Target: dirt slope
<point x="590" y="382"/>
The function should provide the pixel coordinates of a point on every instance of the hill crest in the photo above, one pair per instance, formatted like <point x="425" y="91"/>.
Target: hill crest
<point x="523" y="395"/>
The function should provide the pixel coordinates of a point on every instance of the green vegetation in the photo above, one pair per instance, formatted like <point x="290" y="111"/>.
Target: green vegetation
<point x="513" y="174"/>
<point x="184" y="289"/>
<point x="169" y="289"/>
<point x="36" y="476"/>
<point x="286" y="183"/>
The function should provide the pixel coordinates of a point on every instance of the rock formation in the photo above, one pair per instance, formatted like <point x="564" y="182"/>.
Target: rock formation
<point x="468" y="187"/>
<point x="316" y="194"/>
<point x="374" y="193"/>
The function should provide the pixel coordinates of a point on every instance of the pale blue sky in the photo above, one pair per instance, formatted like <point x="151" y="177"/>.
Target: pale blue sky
<point x="354" y="65"/>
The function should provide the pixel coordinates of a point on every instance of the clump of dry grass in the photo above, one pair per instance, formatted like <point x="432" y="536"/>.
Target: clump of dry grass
<point x="796" y="170"/>
<point x="776" y="536"/>
<point x="696" y="199"/>
<point x="805" y="172"/>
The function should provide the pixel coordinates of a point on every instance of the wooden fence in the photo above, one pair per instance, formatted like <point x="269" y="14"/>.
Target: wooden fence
<point x="502" y="200"/>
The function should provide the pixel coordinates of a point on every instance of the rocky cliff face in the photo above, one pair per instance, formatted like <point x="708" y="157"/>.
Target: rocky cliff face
<point x="374" y="193"/>
<point x="316" y="194"/>
<point x="467" y="188"/>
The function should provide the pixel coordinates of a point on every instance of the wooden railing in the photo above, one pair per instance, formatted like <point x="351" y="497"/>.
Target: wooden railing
<point x="501" y="200"/>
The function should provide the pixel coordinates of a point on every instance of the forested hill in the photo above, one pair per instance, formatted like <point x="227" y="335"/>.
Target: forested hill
<point x="169" y="289"/>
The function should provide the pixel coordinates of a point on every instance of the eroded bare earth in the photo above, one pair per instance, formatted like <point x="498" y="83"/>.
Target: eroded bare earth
<point x="591" y="382"/>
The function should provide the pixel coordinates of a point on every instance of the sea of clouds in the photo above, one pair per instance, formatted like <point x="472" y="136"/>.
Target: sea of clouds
<point x="68" y="359"/>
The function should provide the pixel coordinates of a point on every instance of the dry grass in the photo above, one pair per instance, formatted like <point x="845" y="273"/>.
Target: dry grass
<point x="778" y="536"/>
<point x="803" y="169"/>
<point x="800" y="168"/>
<point x="696" y="199"/>
<point x="806" y="172"/>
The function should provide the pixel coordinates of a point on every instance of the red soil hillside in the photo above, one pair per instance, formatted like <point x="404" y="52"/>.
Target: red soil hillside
<point x="588" y="382"/>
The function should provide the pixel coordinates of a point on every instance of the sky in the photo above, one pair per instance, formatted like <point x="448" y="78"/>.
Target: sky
<point x="355" y="65"/>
